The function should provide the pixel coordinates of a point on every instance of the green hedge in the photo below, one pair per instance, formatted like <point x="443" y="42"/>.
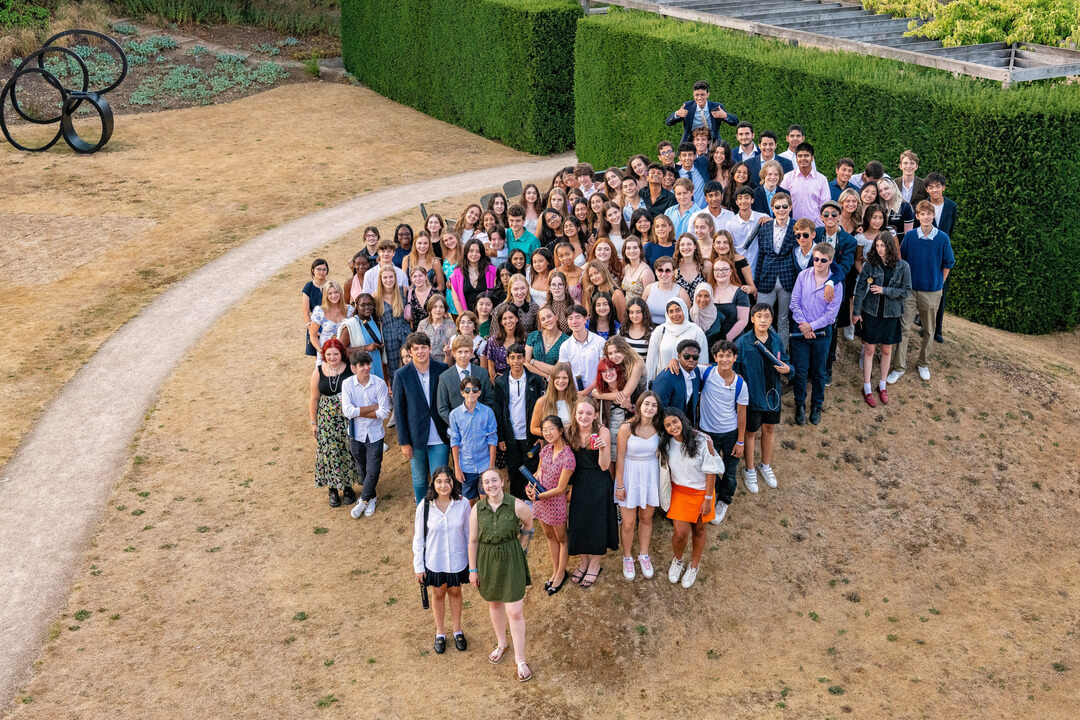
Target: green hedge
<point x="500" y="68"/>
<point x="1009" y="155"/>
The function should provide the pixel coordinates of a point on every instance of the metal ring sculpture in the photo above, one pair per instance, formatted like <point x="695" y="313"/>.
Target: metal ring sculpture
<point x="70" y="99"/>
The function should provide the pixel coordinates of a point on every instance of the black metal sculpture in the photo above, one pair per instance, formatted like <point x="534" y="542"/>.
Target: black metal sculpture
<point x="70" y="100"/>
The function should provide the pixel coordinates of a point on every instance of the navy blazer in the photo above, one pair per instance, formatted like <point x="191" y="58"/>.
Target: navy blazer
<point x="948" y="218"/>
<point x="844" y="259"/>
<point x="754" y="164"/>
<point x="671" y="389"/>
<point x="412" y="415"/>
<point x="761" y="200"/>
<point x="688" y="121"/>
<point x="771" y="264"/>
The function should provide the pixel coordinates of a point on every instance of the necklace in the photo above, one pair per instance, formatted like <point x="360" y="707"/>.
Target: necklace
<point x="334" y="381"/>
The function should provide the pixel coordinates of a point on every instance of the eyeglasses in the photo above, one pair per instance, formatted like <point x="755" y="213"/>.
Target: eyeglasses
<point x="780" y="207"/>
<point x="804" y="235"/>
<point x="663" y="270"/>
<point x="470" y="390"/>
<point x="690" y="356"/>
<point x="667" y="152"/>
<point x="821" y="260"/>
<point x="830" y="214"/>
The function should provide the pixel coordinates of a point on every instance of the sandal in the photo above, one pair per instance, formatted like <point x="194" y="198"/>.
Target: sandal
<point x="525" y="676"/>
<point x="586" y="582"/>
<point x="496" y="655"/>
<point x="575" y="578"/>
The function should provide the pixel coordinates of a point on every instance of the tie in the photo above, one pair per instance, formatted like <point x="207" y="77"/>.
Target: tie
<point x="704" y="120"/>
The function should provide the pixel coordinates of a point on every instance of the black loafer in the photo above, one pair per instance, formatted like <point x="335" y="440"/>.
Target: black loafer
<point x="939" y="339"/>
<point x="800" y="416"/>
<point x="815" y="415"/>
<point x="348" y="496"/>
<point x="440" y="645"/>
<point x="335" y="501"/>
<point x="460" y="643"/>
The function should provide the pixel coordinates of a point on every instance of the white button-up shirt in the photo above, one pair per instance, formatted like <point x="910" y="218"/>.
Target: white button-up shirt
<point x="517" y="404"/>
<point x="447" y="537"/>
<point x="583" y="356"/>
<point x="355" y="396"/>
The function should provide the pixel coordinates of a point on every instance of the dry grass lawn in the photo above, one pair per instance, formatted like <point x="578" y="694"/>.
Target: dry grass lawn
<point x="918" y="561"/>
<point x="89" y="240"/>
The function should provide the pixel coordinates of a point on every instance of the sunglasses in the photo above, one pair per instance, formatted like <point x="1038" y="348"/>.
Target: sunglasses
<point x="780" y="207"/>
<point x="689" y="356"/>
<point x="471" y="390"/>
<point x="804" y="235"/>
<point x="663" y="270"/>
<point x="821" y="260"/>
<point x="830" y="214"/>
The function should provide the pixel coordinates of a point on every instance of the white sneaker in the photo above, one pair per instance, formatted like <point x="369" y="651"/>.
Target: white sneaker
<point x="675" y="571"/>
<point x="358" y="508"/>
<point x="750" y="479"/>
<point x="646" y="566"/>
<point x="894" y="376"/>
<point x="370" y="507"/>
<point x="770" y="476"/>
<point x="721" y="511"/>
<point x="849" y="332"/>
<point x="628" y="568"/>
<point x="689" y="577"/>
<point x="924" y="372"/>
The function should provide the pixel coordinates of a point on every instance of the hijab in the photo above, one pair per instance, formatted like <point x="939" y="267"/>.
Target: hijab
<point x="707" y="316"/>
<point x="672" y="328"/>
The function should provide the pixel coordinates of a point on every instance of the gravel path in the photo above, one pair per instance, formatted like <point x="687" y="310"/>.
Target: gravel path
<point x="53" y="491"/>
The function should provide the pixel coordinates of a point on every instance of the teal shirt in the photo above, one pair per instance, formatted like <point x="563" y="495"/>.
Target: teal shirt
<point x="526" y="243"/>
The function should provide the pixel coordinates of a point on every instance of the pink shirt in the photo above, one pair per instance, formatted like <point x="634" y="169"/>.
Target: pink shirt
<point x="808" y="194"/>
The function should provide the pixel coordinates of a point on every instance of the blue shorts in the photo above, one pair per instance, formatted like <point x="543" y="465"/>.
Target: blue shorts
<point x="471" y="490"/>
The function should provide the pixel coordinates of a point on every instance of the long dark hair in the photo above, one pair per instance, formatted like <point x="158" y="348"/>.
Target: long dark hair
<point x="485" y="261"/>
<point x="892" y="252"/>
<point x="646" y="317"/>
<point x="689" y="437"/>
<point x="658" y="419"/>
<point x="547" y="236"/>
<point x="594" y="318"/>
<point x="455" y="486"/>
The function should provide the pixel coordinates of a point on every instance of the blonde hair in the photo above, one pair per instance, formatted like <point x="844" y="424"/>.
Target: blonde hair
<point x="397" y="305"/>
<point x="549" y="402"/>
<point x="892" y="205"/>
<point x="848" y="192"/>
<point x="340" y="305"/>
<point x="587" y="288"/>
<point x="413" y="259"/>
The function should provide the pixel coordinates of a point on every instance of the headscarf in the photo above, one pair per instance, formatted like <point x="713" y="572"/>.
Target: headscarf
<point x="672" y="328"/>
<point x="704" y="317"/>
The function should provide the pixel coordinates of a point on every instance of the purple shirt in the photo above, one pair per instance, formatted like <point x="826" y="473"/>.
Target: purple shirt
<point x="808" y="194"/>
<point x="808" y="301"/>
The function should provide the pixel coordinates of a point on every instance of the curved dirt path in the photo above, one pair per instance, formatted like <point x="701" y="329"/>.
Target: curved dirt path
<point x="53" y="489"/>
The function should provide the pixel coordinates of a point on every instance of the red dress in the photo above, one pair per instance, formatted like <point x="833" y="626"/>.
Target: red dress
<point x="552" y="511"/>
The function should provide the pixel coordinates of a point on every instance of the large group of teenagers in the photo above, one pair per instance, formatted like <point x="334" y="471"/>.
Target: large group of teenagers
<point x="583" y="355"/>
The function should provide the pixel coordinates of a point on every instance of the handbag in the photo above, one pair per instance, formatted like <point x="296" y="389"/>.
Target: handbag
<point x="423" y="586"/>
<point x="665" y="486"/>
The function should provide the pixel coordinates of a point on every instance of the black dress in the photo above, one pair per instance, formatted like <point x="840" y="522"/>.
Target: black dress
<point x="879" y="330"/>
<point x="592" y="527"/>
<point x="473" y="292"/>
<point x="727" y="314"/>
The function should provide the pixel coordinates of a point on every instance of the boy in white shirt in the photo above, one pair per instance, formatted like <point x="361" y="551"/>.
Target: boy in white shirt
<point x="724" y="399"/>
<point x="365" y="400"/>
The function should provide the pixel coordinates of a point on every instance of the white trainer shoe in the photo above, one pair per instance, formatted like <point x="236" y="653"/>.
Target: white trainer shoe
<point x="849" y="332"/>
<point x="894" y="376"/>
<point x="924" y="372"/>
<point x="750" y="480"/>
<point x="689" y="577"/>
<point x="370" y="507"/>
<point x="358" y="509"/>
<point x="628" y="568"/>
<point x="646" y="565"/>
<point x="675" y="571"/>
<point x="768" y="474"/>
<point x="721" y="511"/>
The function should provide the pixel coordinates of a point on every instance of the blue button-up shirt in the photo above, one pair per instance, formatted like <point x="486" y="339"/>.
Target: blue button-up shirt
<point x="473" y="433"/>
<point x="681" y="220"/>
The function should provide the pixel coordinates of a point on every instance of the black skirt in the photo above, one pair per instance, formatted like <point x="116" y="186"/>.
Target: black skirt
<point x="879" y="331"/>
<point x="438" y="579"/>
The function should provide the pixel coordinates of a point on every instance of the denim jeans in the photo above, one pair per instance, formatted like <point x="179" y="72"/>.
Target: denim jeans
<point x="809" y="357"/>
<point x="368" y="457"/>
<point x="724" y="443"/>
<point x="424" y="461"/>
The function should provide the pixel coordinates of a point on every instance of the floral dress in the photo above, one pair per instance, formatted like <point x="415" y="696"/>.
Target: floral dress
<point x="689" y="285"/>
<point x="334" y="465"/>
<point x="327" y="328"/>
<point x="552" y="511"/>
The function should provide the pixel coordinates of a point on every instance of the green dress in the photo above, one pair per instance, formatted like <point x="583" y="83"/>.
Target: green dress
<point x="500" y="558"/>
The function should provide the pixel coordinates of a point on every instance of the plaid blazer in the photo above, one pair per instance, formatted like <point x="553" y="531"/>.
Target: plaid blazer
<point x="771" y="264"/>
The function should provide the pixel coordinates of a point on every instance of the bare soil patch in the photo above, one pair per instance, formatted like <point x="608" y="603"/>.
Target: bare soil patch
<point x="917" y="561"/>
<point x="174" y="190"/>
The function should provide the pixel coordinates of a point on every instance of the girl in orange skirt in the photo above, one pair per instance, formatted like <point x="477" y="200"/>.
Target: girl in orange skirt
<point x="691" y="459"/>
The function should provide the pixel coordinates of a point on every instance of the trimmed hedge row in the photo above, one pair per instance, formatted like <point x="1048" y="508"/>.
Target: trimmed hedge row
<point x="1009" y="155"/>
<point x="500" y="68"/>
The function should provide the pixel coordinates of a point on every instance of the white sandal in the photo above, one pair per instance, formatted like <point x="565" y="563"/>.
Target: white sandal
<point x="527" y="675"/>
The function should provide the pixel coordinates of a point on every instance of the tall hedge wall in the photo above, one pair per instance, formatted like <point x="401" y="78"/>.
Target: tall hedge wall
<point x="1010" y="156"/>
<point x="500" y="68"/>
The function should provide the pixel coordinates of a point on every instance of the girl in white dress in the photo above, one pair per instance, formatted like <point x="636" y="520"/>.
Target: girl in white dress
<point x="637" y="480"/>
